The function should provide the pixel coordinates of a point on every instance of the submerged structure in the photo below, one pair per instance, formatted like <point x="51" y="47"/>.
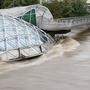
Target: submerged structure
<point x="42" y="13"/>
<point x="38" y="15"/>
<point x="18" y="39"/>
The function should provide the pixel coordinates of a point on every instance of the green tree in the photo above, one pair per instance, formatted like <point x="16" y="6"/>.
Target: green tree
<point x="67" y="8"/>
<point x="1" y="2"/>
<point x="13" y="3"/>
<point x="79" y="7"/>
<point x="32" y="1"/>
<point x="54" y="7"/>
<point x="6" y="3"/>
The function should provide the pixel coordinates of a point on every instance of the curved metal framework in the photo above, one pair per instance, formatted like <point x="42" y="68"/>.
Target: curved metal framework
<point x="20" y="39"/>
<point x="45" y="19"/>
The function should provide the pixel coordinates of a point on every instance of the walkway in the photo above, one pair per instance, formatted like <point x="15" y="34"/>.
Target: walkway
<point x="64" y="23"/>
<point x="75" y="21"/>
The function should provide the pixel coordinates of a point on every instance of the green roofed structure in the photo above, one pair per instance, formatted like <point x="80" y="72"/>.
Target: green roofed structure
<point x="39" y="16"/>
<point x="19" y="40"/>
<point x="30" y="17"/>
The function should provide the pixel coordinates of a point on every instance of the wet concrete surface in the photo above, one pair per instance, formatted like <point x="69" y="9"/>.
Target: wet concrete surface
<point x="68" y="72"/>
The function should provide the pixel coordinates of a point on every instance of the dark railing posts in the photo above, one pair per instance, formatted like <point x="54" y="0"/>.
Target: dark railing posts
<point x="19" y="53"/>
<point x="40" y="47"/>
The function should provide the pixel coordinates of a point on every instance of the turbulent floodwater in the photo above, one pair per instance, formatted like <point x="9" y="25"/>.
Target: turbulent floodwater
<point x="55" y="70"/>
<point x="76" y="37"/>
<point x="59" y="69"/>
<point x="75" y="47"/>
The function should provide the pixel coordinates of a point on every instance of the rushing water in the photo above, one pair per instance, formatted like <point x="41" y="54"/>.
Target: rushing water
<point x="76" y="47"/>
<point x="62" y="71"/>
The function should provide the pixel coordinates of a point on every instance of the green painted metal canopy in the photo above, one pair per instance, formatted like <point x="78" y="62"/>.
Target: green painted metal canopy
<point x="30" y="17"/>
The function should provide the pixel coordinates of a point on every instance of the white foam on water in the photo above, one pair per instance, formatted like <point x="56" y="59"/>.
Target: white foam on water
<point x="70" y="44"/>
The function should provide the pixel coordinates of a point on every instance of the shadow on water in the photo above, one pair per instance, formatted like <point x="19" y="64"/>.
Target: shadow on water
<point x="23" y="59"/>
<point x="82" y="36"/>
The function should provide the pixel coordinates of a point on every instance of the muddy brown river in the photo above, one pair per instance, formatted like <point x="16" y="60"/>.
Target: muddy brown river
<point x="55" y="71"/>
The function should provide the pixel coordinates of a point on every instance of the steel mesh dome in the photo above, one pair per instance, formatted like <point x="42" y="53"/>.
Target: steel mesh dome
<point x="17" y="34"/>
<point x="42" y="12"/>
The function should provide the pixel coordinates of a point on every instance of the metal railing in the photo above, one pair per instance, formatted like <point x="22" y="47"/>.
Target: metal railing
<point x="74" y="21"/>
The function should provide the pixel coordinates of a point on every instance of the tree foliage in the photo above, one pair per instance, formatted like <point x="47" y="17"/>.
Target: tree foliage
<point x="64" y="8"/>
<point x="67" y="8"/>
<point x="1" y="2"/>
<point x="54" y="8"/>
<point x="79" y="7"/>
<point x="13" y="3"/>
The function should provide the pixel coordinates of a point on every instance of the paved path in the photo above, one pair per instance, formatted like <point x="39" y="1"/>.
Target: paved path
<point x="69" y="72"/>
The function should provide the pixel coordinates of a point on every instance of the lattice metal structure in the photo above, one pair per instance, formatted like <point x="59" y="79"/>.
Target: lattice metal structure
<point x="42" y="13"/>
<point x="45" y="19"/>
<point x="18" y="39"/>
